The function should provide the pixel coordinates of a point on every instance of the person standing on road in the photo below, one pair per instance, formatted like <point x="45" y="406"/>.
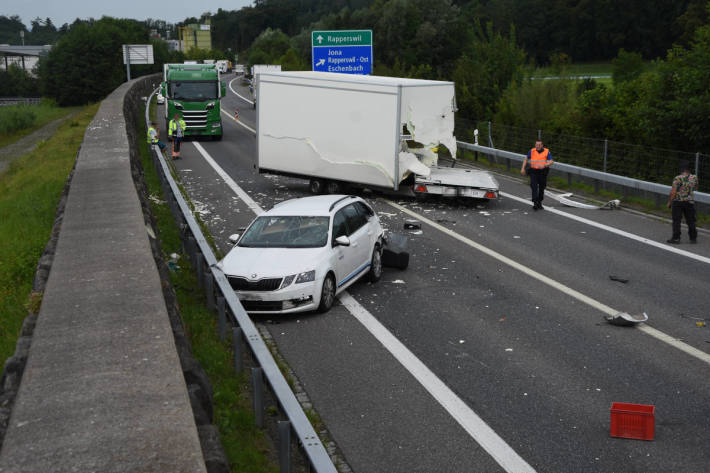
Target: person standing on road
<point x="540" y="161"/>
<point x="176" y="131"/>
<point x="153" y="135"/>
<point x="682" y="204"/>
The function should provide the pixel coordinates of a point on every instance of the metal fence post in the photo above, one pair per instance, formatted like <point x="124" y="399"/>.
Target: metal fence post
<point x="697" y="163"/>
<point x="606" y="153"/>
<point x="257" y="382"/>
<point x="200" y="268"/>
<point x="539" y="135"/>
<point x="222" y="318"/>
<point x="285" y="446"/>
<point x="490" y="136"/>
<point x="237" y="346"/>
<point x="209" y="290"/>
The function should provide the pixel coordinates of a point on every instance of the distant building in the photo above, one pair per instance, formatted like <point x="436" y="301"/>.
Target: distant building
<point x="26" y="57"/>
<point x="173" y="44"/>
<point x="195" y="36"/>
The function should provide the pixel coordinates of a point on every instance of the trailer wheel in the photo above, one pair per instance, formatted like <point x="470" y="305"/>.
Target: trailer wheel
<point x="332" y="187"/>
<point x="316" y="186"/>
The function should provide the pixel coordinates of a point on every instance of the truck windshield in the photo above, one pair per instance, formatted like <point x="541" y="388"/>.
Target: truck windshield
<point x="196" y="91"/>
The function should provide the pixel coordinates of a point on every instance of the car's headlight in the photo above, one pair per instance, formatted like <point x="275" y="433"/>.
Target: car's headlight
<point x="308" y="276"/>
<point x="287" y="281"/>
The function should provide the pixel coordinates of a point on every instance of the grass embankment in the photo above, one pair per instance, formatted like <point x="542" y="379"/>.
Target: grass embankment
<point x="246" y="446"/>
<point x="18" y="121"/>
<point x="29" y="192"/>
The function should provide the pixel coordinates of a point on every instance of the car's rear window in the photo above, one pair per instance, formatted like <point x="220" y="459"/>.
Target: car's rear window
<point x="287" y="232"/>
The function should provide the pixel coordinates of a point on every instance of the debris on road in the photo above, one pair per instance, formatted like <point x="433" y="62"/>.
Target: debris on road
<point x="394" y="253"/>
<point x="626" y="320"/>
<point x="410" y="224"/>
<point x="617" y="278"/>
<point x="564" y="199"/>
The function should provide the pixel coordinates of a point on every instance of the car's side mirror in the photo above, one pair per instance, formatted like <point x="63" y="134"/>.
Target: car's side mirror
<point x="234" y="238"/>
<point x="342" y="241"/>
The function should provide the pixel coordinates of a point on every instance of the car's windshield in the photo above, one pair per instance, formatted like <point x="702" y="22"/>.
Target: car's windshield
<point x="198" y="91"/>
<point x="287" y="232"/>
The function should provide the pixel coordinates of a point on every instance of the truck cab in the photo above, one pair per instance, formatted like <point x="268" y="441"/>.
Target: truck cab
<point x="194" y="91"/>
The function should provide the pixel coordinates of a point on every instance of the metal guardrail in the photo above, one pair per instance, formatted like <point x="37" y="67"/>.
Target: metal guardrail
<point x="637" y="184"/>
<point x="20" y="101"/>
<point x="214" y="281"/>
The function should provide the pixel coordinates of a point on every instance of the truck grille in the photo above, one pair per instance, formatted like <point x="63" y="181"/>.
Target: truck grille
<point x="195" y="118"/>
<point x="243" y="284"/>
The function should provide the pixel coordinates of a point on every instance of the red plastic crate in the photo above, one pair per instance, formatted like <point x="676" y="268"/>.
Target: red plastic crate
<point x="632" y="421"/>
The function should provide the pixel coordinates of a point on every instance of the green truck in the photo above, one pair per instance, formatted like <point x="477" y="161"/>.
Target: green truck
<point x="194" y="91"/>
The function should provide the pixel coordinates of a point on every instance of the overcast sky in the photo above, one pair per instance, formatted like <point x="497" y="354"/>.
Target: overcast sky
<point x="66" y="11"/>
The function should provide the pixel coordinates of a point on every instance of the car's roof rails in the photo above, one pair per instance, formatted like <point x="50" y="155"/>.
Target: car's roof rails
<point x="332" y="206"/>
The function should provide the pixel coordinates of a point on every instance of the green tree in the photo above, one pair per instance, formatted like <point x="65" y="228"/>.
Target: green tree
<point x="10" y="28"/>
<point x="489" y="64"/>
<point x="87" y="63"/>
<point x="626" y="66"/>
<point x="269" y="47"/>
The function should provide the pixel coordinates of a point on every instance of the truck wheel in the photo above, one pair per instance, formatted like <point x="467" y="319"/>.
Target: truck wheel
<point x="327" y="294"/>
<point x="375" y="265"/>
<point x="332" y="187"/>
<point x="316" y="186"/>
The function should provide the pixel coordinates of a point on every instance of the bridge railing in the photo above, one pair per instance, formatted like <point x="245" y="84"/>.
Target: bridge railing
<point x="221" y="296"/>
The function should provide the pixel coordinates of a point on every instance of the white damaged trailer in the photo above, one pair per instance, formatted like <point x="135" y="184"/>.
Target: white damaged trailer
<point x="367" y="131"/>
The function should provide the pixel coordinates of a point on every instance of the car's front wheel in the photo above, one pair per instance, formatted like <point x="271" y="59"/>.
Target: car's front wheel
<point x="327" y="294"/>
<point x="375" y="265"/>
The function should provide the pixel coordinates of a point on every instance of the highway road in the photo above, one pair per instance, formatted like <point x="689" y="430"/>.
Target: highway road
<point x="490" y="352"/>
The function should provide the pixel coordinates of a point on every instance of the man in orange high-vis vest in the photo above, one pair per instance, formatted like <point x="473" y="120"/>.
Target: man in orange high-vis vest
<point x="540" y="160"/>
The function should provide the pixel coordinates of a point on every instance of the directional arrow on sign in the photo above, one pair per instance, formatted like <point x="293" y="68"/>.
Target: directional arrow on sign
<point x="320" y="63"/>
<point x="320" y="39"/>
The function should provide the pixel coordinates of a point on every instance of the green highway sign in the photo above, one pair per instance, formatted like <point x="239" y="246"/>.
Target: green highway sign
<point x="344" y="51"/>
<point x="341" y="38"/>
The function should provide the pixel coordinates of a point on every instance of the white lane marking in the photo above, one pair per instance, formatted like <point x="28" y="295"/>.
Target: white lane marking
<point x="467" y="418"/>
<point x="235" y="92"/>
<point x="701" y="355"/>
<point x="229" y="181"/>
<point x="464" y="415"/>
<point x="662" y="246"/>
<point x="239" y="122"/>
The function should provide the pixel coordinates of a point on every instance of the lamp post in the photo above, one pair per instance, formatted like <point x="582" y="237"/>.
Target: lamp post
<point x="22" y="35"/>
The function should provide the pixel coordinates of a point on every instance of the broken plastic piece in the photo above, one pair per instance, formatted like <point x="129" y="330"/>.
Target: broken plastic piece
<point x="617" y="278"/>
<point x="564" y="199"/>
<point x="626" y="320"/>
<point x="412" y="224"/>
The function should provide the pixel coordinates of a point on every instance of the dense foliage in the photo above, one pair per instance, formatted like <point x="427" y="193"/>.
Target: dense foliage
<point x="87" y="62"/>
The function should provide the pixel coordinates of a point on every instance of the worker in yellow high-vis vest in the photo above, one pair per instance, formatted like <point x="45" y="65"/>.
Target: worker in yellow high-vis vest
<point x="176" y="132"/>
<point x="153" y="136"/>
<point x="540" y="160"/>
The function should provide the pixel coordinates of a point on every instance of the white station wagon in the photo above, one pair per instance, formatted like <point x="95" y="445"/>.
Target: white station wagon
<point x="300" y="254"/>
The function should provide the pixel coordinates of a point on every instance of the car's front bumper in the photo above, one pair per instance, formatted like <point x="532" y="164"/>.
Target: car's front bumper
<point x="294" y="298"/>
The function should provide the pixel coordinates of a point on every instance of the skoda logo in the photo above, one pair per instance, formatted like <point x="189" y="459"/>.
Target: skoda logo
<point x="253" y="276"/>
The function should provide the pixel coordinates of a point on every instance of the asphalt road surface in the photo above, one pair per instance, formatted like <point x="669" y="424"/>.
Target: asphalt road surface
<point x="491" y="351"/>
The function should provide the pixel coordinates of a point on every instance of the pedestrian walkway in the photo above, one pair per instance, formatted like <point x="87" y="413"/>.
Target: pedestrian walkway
<point x="28" y="143"/>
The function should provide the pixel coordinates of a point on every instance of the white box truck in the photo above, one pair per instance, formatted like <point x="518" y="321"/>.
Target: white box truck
<point x="257" y="69"/>
<point x="367" y="131"/>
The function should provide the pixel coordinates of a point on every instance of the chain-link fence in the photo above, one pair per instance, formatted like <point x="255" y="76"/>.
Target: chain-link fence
<point x="640" y="162"/>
